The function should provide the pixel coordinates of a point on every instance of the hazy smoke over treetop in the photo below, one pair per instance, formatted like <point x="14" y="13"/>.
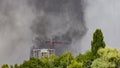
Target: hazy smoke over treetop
<point x="21" y="20"/>
<point x="59" y="18"/>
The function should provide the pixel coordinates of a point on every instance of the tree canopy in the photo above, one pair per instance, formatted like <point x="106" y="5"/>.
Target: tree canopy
<point x="109" y="58"/>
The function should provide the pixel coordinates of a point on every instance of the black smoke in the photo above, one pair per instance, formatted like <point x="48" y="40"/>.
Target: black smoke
<point x="22" y="21"/>
<point x="62" y="20"/>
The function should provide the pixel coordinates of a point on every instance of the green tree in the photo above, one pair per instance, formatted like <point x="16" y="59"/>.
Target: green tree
<point x="16" y="66"/>
<point x="102" y="63"/>
<point x="97" y="42"/>
<point x="42" y="62"/>
<point x="48" y="61"/>
<point x="64" y="60"/>
<point x="86" y="59"/>
<point x="5" y="66"/>
<point x="75" y="64"/>
<point x="11" y="66"/>
<point x="32" y="63"/>
<point x="109" y="58"/>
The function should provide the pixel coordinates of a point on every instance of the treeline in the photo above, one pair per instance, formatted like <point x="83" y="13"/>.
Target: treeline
<point x="99" y="56"/>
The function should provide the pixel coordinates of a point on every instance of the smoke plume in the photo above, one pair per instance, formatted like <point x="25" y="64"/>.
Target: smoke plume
<point x="24" y="21"/>
<point x="61" y="20"/>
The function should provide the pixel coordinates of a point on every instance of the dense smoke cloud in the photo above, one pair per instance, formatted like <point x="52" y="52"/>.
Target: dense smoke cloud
<point x="59" y="19"/>
<point x="22" y="21"/>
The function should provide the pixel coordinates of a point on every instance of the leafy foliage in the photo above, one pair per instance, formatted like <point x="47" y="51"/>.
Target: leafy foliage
<point x="5" y="66"/>
<point x="43" y="62"/>
<point x="86" y="59"/>
<point x="75" y="64"/>
<point x="64" y="60"/>
<point x="109" y="58"/>
<point x="102" y="63"/>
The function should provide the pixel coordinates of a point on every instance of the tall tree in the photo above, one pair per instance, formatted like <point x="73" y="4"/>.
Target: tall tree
<point x="97" y="42"/>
